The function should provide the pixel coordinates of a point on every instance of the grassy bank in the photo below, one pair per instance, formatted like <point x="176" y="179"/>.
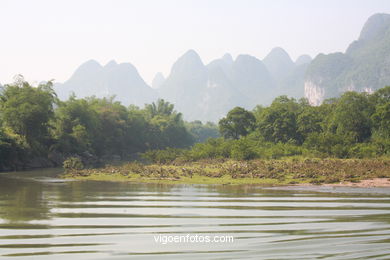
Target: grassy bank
<point x="263" y="172"/>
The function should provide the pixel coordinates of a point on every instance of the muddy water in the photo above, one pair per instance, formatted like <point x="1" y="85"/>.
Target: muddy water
<point x="42" y="217"/>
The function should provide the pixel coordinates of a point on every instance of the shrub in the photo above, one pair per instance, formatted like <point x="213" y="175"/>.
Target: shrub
<point x="163" y="156"/>
<point x="363" y="150"/>
<point x="243" y="150"/>
<point x="73" y="163"/>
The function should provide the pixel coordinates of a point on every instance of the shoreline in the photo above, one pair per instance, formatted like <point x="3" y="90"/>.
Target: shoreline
<point x="286" y="172"/>
<point x="366" y="183"/>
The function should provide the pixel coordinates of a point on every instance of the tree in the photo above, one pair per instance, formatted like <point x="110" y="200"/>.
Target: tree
<point x="164" y="127"/>
<point x="278" y="122"/>
<point x="242" y="149"/>
<point x="257" y="112"/>
<point x="381" y="116"/>
<point x="352" y="117"/>
<point x="114" y="133"/>
<point x="309" y="121"/>
<point x="76" y="127"/>
<point x="202" y="132"/>
<point x="9" y="149"/>
<point x="238" y="122"/>
<point x="26" y="110"/>
<point x="381" y="96"/>
<point x="160" y="108"/>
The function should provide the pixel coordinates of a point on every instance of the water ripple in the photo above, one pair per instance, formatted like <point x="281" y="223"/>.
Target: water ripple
<point x="95" y="220"/>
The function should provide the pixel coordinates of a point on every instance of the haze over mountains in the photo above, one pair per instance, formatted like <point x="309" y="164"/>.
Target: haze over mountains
<point x="199" y="91"/>
<point x="208" y="91"/>
<point x="365" y="66"/>
<point x="121" y="80"/>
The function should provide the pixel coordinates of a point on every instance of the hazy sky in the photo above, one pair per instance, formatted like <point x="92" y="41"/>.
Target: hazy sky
<point x="49" y="39"/>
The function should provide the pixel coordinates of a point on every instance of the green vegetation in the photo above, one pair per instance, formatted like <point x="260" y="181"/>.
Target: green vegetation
<point x="289" y="142"/>
<point x="237" y="123"/>
<point x="263" y="172"/>
<point x="356" y="125"/>
<point x="363" y="66"/>
<point x="73" y="164"/>
<point x="202" y="132"/>
<point x="38" y="130"/>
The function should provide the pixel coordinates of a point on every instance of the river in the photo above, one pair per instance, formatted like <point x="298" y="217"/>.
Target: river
<point x="43" y="217"/>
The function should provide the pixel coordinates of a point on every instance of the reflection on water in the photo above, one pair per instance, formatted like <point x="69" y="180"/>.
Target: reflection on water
<point x="44" y="217"/>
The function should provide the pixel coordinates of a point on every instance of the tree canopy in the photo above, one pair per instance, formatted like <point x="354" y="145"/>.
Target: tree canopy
<point x="238" y="122"/>
<point x="35" y="124"/>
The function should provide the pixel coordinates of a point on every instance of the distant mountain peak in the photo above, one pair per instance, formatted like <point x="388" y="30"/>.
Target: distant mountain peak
<point x="278" y="63"/>
<point x="189" y="62"/>
<point x="363" y="67"/>
<point x="279" y="54"/>
<point x="199" y="91"/>
<point x="221" y="65"/>
<point x="303" y="59"/>
<point x="278" y="51"/>
<point x="121" y="80"/>
<point x="191" y="54"/>
<point x="90" y="64"/>
<point x="376" y="25"/>
<point x="110" y="64"/>
<point x="89" y="67"/>
<point x="158" y="80"/>
<point x="246" y="57"/>
<point x="129" y="66"/>
<point x="227" y="58"/>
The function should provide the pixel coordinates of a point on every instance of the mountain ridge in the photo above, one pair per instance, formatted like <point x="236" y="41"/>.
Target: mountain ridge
<point x="363" y="67"/>
<point x="208" y="91"/>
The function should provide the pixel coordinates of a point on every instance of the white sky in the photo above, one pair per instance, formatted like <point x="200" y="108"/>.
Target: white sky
<point x="49" y="39"/>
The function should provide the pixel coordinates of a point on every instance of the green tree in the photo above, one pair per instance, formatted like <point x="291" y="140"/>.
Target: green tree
<point x="160" y="108"/>
<point x="278" y="122"/>
<point x="381" y="115"/>
<point x="114" y="133"/>
<point x="76" y="127"/>
<point x="202" y="132"/>
<point x="309" y="120"/>
<point x="381" y="120"/>
<point x="258" y="112"/>
<point x="10" y="150"/>
<point x="26" y="110"/>
<point x="238" y="122"/>
<point x="165" y="126"/>
<point x="243" y="149"/>
<point x="352" y="117"/>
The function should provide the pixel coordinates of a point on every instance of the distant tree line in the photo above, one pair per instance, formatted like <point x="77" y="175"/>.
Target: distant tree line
<point x="39" y="130"/>
<point x="356" y="125"/>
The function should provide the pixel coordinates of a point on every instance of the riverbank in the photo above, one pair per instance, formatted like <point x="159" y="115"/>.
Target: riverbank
<point x="367" y="183"/>
<point x="291" y="171"/>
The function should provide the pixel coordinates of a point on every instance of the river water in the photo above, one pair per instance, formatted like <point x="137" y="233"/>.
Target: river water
<point x="42" y="217"/>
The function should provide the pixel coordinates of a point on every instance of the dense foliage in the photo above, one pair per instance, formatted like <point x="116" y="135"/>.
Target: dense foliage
<point x="237" y="123"/>
<point x="36" y="129"/>
<point x="356" y="125"/>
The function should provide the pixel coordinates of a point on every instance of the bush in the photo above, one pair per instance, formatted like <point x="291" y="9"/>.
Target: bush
<point x="276" y="151"/>
<point x="73" y="163"/>
<point x="364" y="150"/>
<point x="212" y="149"/>
<point x="340" y="151"/>
<point x="243" y="150"/>
<point x="163" y="156"/>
